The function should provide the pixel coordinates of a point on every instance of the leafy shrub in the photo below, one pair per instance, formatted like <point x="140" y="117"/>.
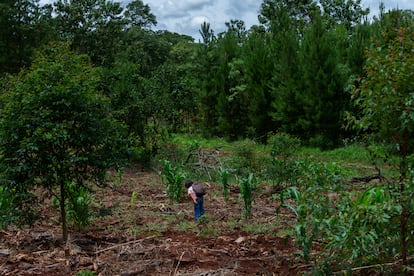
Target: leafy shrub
<point x="13" y="207"/>
<point x="283" y="144"/>
<point x="364" y="229"/>
<point x="243" y="160"/>
<point x="352" y="228"/>
<point x="281" y="169"/>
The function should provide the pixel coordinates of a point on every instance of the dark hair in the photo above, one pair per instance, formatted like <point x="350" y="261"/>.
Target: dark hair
<point x="188" y="183"/>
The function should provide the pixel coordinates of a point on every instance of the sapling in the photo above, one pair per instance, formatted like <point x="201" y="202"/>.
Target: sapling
<point x="246" y="190"/>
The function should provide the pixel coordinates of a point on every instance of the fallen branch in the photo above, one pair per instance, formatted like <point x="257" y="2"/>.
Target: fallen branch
<point x="122" y="244"/>
<point x="365" y="267"/>
<point x="6" y="233"/>
<point x="178" y="264"/>
<point x="367" y="179"/>
<point x="222" y="251"/>
<point x="372" y="266"/>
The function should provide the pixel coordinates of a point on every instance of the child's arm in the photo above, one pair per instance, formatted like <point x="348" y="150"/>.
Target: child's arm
<point x="193" y="196"/>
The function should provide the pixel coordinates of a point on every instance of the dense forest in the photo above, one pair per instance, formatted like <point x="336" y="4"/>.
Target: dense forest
<point x="89" y="85"/>
<point x="293" y="72"/>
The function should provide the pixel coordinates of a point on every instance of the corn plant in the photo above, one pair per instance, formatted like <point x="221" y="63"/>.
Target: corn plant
<point x="173" y="178"/>
<point x="134" y="198"/>
<point x="246" y="190"/>
<point x="78" y="205"/>
<point x="313" y="206"/>
<point x="311" y="209"/>
<point x="224" y="176"/>
<point x="120" y="171"/>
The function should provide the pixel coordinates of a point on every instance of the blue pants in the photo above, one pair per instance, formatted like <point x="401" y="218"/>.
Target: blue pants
<point x="199" y="208"/>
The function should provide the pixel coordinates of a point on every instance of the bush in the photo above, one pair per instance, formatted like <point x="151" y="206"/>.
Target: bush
<point x="351" y="228"/>
<point x="14" y="207"/>
<point x="243" y="160"/>
<point x="281" y="169"/>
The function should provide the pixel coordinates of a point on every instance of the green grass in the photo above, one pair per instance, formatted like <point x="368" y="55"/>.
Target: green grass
<point x="355" y="160"/>
<point x="245" y="156"/>
<point x="185" y="225"/>
<point x="350" y="154"/>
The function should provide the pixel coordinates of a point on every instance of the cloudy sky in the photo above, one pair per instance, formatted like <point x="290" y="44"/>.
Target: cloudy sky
<point x="186" y="16"/>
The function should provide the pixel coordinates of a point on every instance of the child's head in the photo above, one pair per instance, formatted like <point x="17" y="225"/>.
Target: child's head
<point x="188" y="183"/>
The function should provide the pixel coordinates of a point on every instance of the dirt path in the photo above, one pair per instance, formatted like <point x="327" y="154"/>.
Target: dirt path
<point x="138" y="232"/>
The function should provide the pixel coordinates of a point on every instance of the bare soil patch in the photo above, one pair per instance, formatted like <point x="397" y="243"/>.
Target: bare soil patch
<point x="137" y="231"/>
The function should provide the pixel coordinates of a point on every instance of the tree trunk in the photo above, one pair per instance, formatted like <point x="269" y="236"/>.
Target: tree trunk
<point x="404" y="213"/>
<point x="403" y="222"/>
<point x="63" y="211"/>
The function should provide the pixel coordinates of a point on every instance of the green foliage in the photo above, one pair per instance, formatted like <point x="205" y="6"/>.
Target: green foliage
<point x="151" y="87"/>
<point x="364" y="230"/>
<point x="246" y="190"/>
<point x="324" y="77"/>
<point x="351" y="228"/>
<point x="55" y="126"/>
<point x="282" y="168"/>
<point x="347" y="13"/>
<point x="173" y="179"/>
<point x="78" y="206"/>
<point x="134" y="198"/>
<point x="24" y="26"/>
<point x="208" y="232"/>
<point x="384" y="101"/>
<point x="283" y="144"/>
<point x="91" y="27"/>
<point x="243" y="159"/>
<point x="185" y="225"/>
<point x="16" y="207"/>
<point x="138" y="14"/>
<point x="85" y="273"/>
<point x="315" y="182"/>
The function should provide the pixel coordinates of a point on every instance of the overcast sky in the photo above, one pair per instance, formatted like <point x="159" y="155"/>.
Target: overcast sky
<point x="186" y="16"/>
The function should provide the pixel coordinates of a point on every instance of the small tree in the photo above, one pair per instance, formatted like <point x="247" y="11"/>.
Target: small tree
<point x="386" y="103"/>
<point x="55" y="129"/>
